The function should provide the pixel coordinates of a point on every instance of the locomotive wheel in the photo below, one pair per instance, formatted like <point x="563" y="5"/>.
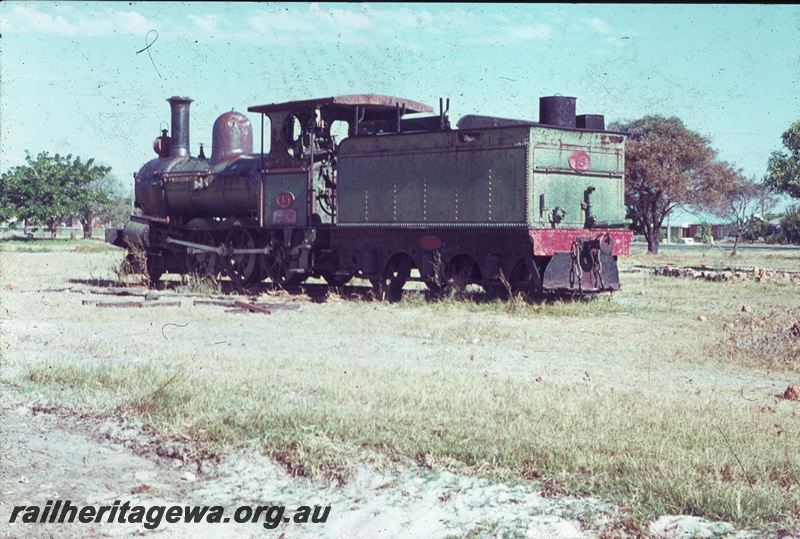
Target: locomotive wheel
<point x="522" y="281"/>
<point x="459" y="274"/>
<point x="202" y="263"/>
<point x="276" y="267"/>
<point x="395" y="275"/>
<point x="336" y="280"/>
<point x="242" y="269"/>
<point x="154" y="272"/>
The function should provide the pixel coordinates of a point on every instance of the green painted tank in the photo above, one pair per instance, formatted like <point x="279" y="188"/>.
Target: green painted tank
<point x="532" y="176"/>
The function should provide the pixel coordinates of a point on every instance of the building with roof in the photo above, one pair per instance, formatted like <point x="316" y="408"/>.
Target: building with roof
<point x="689" y="222"/>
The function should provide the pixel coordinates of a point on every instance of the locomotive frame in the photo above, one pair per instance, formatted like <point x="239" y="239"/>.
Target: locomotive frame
<point x="534" y="206"/>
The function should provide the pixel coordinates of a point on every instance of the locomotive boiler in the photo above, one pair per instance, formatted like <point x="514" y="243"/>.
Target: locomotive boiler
<point x="384" y="189"/>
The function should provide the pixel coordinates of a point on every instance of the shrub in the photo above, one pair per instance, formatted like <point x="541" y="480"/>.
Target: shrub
<point x="705" y="234"/>
<point x="790" y="225"/>
<point x="771" y="341"/>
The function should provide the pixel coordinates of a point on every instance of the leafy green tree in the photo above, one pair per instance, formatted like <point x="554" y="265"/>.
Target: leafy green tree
<point x="668" y="165"/>
<point x="783" y="168"/>
<point x="706" y="235"/>
<point x="118" y="207"/>
<point x="757" y="228"/>
<point x="790" y="224"/>
<point x="89" y="207"/>
<point x="104" y="201"/>
<point x="50" y="188"/>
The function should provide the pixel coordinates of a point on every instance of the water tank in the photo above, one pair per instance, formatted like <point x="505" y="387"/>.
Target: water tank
<point x="557" y="110"/>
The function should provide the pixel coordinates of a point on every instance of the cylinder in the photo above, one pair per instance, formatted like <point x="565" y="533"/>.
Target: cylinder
<point x="137" y="234"/>
<point x="180" y="126"/>
<point x="558" y="111"/>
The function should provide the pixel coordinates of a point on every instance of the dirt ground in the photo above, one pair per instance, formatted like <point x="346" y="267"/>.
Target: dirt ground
<point x="52" y="453"/>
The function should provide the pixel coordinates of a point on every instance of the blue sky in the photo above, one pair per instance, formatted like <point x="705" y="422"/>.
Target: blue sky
<point x="74" y="81"/>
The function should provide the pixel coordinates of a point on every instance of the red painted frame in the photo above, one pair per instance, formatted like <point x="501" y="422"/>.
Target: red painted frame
<point x="548" y="241"/>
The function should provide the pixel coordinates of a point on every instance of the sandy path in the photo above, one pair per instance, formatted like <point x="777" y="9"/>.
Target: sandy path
<point x="46" y="456"/>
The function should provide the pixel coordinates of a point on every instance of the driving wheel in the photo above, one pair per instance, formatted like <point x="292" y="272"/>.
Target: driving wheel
<point x="202" y="263"/>
<point x="242" y="268"/>
<point x="276" y="267"/>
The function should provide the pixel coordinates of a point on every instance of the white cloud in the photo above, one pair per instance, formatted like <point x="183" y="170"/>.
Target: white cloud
<point x="290" y="25"/>
<point x="606" y="38"/>
<point x="69" y="22"/>
<point x="529" y="32"/>
<point x="342" y="19"/>
<point x="276" y="22"/>
<point x="31" y="19"/>
<point x="599" y="26"/>
<point x="207" y="23"/>
<point x="365" y="26"/>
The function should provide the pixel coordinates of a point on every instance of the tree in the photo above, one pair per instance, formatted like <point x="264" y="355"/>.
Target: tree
<point x="667" y="165"/>
<point x="745" y="204"/>
<point x="88" y="208"/>
<point x="757" y="227"/>
<point x="790" y="224"/>
<point x="103" y="200"/>
<point x="49" y="188"/>
<point x="118" y="208"/>
<point x="783" y="168"/>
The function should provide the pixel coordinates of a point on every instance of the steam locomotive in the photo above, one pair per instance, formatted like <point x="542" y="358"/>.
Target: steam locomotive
<point x="384" y="189"/>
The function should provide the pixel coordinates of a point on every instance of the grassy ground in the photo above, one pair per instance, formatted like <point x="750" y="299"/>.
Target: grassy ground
<point x="663" y="398"/>
<point x="15" y="242"/>
<point x="718" y="256"/>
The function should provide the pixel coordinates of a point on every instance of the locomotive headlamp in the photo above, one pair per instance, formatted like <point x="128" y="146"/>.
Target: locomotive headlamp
<point x="162" y="144"/>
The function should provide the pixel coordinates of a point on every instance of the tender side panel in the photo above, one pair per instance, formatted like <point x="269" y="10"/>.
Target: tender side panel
<point x="453" y="178"/>
<point x="562" y="174"/>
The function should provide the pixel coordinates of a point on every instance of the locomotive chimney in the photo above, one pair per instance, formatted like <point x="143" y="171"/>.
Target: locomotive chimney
<point x="180" y="126"/>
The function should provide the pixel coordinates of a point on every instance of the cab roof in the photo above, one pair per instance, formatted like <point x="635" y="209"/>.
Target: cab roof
<point x="371" y="102"/>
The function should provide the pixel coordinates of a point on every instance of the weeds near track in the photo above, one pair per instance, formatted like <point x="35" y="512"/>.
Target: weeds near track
<point x="769" y="341"/>
<point x="132" y="269"/>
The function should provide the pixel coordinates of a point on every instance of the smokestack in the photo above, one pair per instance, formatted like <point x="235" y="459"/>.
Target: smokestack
<point x="180" y="126"/>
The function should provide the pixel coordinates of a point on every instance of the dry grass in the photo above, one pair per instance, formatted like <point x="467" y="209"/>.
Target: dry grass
<point x="770" y="341"/>
<point x="631" y="398"/>
<point x="717" y="456"/>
